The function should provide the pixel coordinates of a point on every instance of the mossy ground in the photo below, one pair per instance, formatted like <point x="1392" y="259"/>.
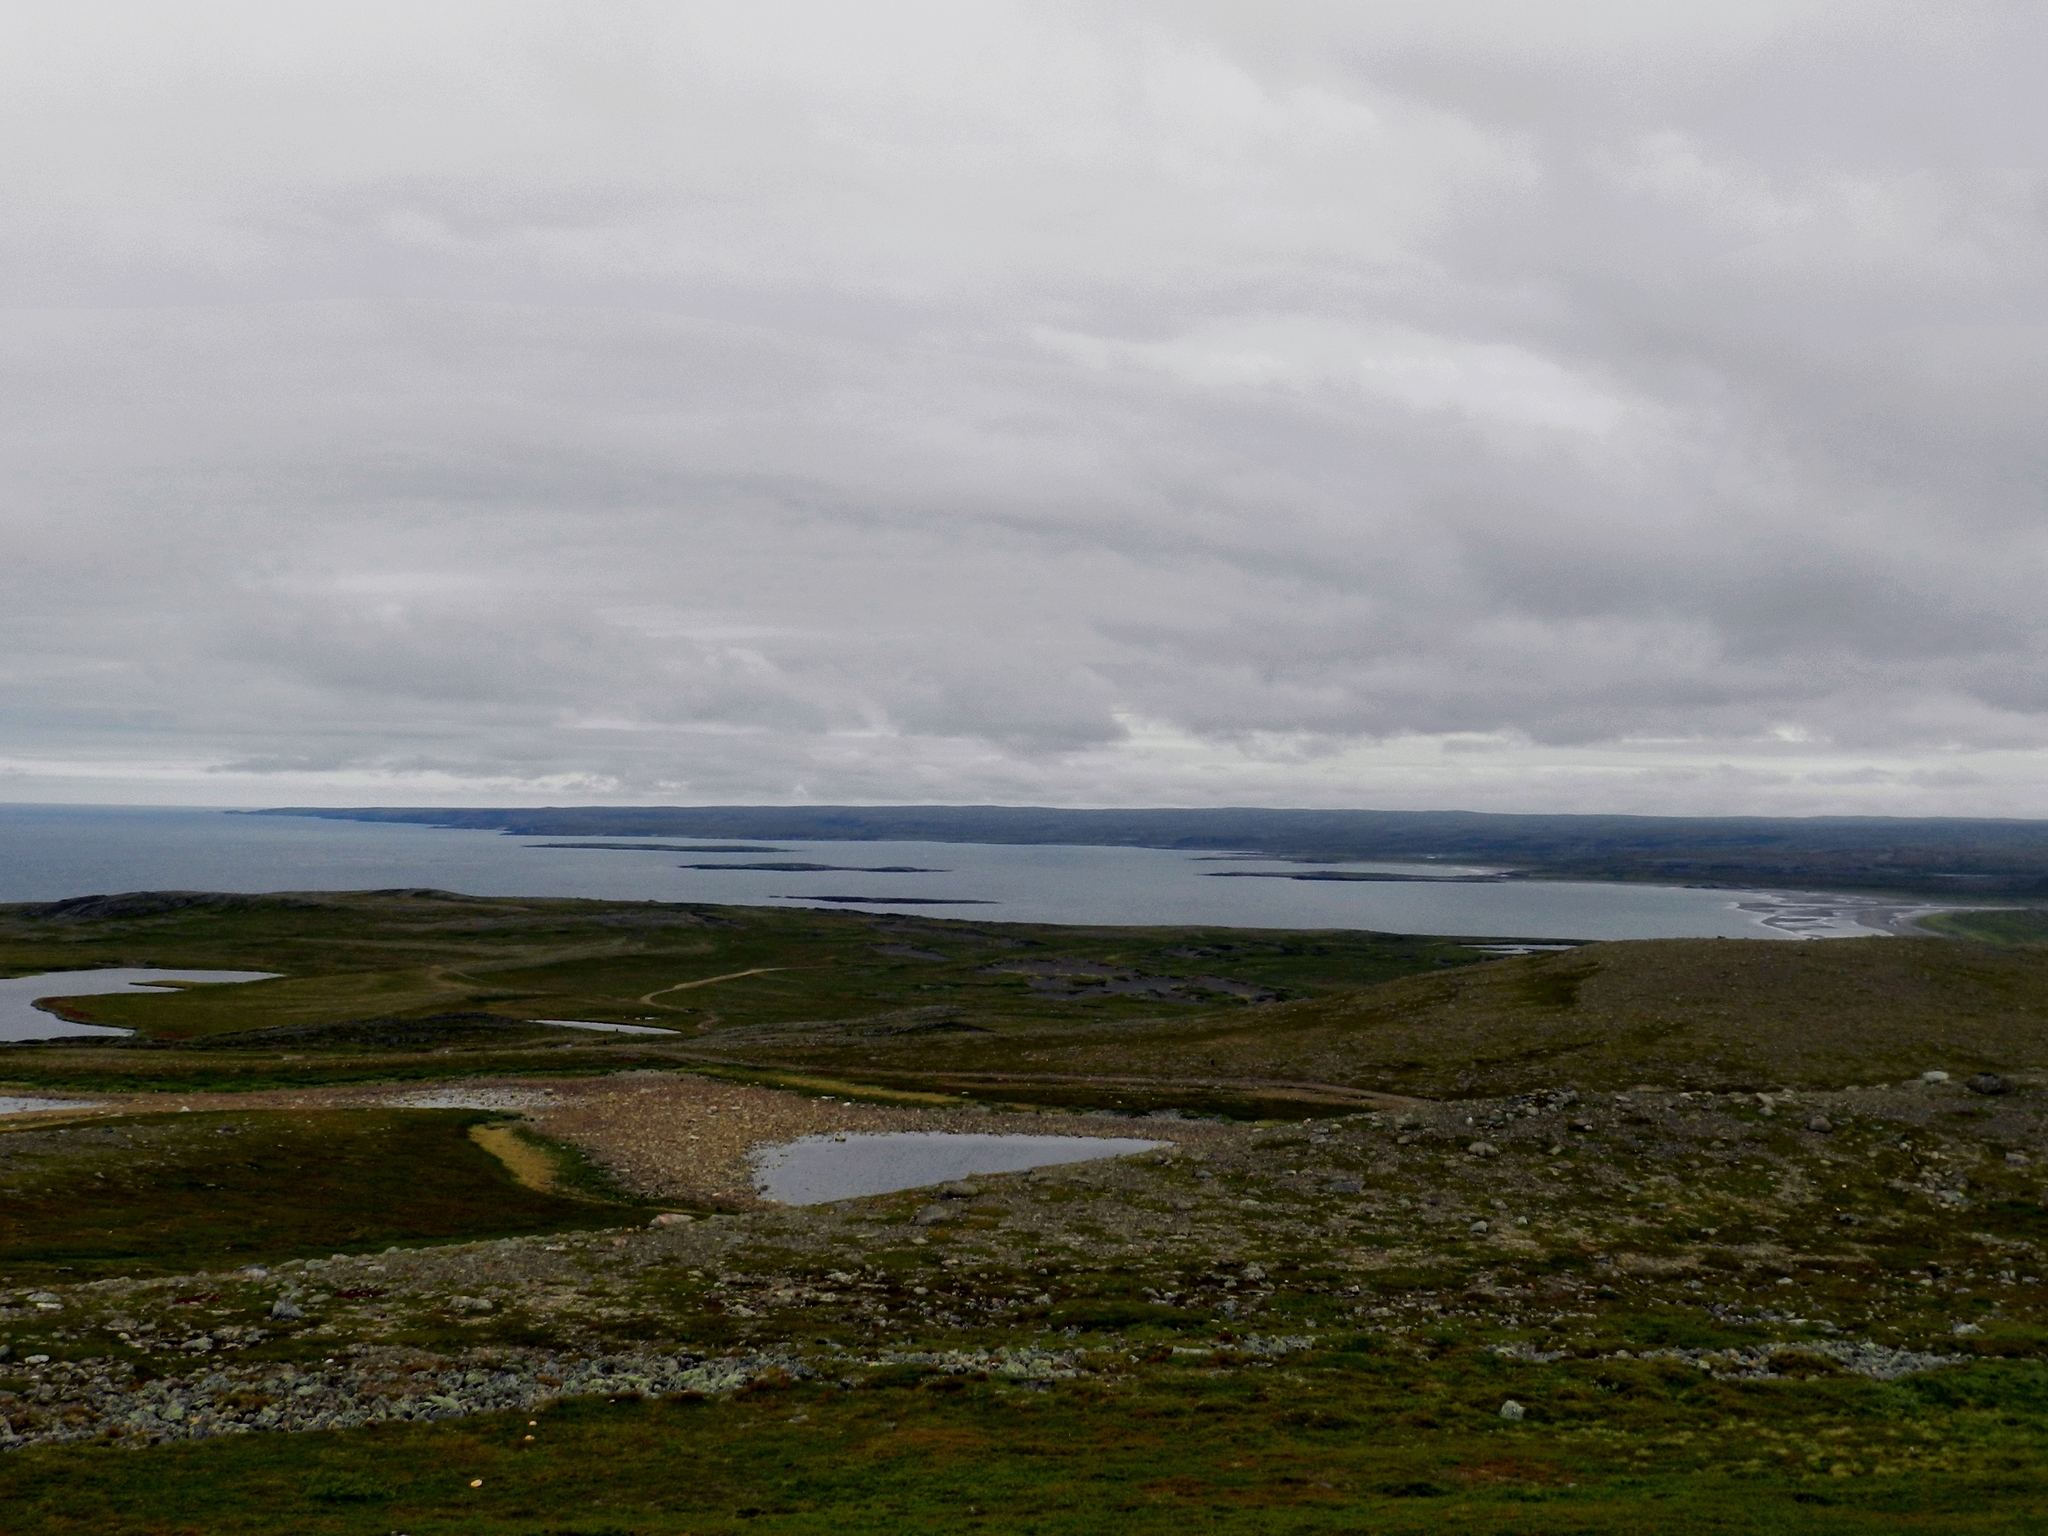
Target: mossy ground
<point x="1310" y="1326"/>
<point x="1255" y="1345"/>
<point x="1675" y="1013"/>
<point x="1344" y="1441"/>
<point x="1995" y="925"/>
<point x="391" y="956"/>
<point x="415" y="985"/>
<point x="169" y="1194"/>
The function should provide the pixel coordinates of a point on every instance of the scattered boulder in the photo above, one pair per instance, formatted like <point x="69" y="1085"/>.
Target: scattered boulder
<point x="959" y="1189"/>
<point x="1933" y="1077"/>
<point x="934" y="1215"/>
<point x="671" y="1219"/>
<point x="1483" y="1149"/>
<point x="1820" y="1124"/>
<point x="470" y="1304"/>
<point x="1513" y="1411"/>
<point x="1987" y="1083"/>
<point x="286" y="1311"/>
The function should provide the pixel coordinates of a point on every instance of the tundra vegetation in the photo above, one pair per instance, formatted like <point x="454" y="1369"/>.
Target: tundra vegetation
<point x="1690" y="1236"/>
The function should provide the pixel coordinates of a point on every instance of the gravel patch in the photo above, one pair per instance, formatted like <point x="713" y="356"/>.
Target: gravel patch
<point x="17" y="1106"/>
<point x="515" y="1099"/>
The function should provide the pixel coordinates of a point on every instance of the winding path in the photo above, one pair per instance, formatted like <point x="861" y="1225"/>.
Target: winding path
<point x="684" y="986"/>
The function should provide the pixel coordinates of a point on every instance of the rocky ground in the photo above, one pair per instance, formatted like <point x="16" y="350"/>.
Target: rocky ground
<point x="1873" y="1231"/>
<point x="668" y="1136"/>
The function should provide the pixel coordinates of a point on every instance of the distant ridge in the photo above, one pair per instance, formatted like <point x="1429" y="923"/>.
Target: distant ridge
<point x="1953" y="856"/>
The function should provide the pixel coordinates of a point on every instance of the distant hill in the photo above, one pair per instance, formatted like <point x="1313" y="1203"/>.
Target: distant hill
<point x="1950" y="856"/>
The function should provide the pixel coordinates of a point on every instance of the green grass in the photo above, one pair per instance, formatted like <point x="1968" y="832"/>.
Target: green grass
<point x="410" y="984"/>
<point x="392" y="955"/>
<point x="401" y="985"/>
<point x="1678" y="1013"/>
<point x="1353" y="1441"/>
<point x="174" y="1193"/>
<point x="2014" y="926"/>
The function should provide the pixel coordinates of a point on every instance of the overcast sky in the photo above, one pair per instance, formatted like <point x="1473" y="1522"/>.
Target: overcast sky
<point x="1500" y="404"/>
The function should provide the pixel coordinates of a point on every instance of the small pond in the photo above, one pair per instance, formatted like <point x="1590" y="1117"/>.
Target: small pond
<point x="20" y="1019"/>
<point x="842" y="1166"/>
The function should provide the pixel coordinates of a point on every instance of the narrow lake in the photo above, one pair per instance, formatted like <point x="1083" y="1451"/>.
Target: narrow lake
<point x="816" y="1169"/>
<point x="52" y="852"/>
<point x="20" y="1019"/>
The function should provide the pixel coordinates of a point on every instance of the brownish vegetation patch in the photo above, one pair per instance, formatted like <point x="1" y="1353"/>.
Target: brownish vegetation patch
<point x="1679" y="1013"/>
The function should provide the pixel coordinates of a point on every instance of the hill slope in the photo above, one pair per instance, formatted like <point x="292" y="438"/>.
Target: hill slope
<point x="1680" y="1013"/>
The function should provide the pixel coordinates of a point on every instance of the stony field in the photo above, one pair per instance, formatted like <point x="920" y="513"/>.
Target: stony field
<point x="1798" y="1285"/>
<point x="1876" y="1233"/>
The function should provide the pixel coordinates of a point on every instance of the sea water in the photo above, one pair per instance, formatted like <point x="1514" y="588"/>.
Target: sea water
<point x="53" y="852"/>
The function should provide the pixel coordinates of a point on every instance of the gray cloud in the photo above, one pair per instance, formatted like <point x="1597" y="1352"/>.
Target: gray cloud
<point x="1504" y="404"/>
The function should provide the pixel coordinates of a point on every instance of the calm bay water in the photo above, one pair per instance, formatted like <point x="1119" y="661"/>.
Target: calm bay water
<point x="48" y="853"/>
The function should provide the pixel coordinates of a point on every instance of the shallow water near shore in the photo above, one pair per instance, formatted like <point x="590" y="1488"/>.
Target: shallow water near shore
<point x="816" y="1169"/>
<point x="50" y="853"/>
<point x="20" y="1019"/>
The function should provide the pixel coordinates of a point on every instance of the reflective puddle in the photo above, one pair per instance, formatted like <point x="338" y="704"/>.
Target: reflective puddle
<point x="816" y="1169"/>
<point x="20" y="1019"/>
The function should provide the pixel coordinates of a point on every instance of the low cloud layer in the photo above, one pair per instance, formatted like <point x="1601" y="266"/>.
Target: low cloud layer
<point x="1509" y="405"/>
